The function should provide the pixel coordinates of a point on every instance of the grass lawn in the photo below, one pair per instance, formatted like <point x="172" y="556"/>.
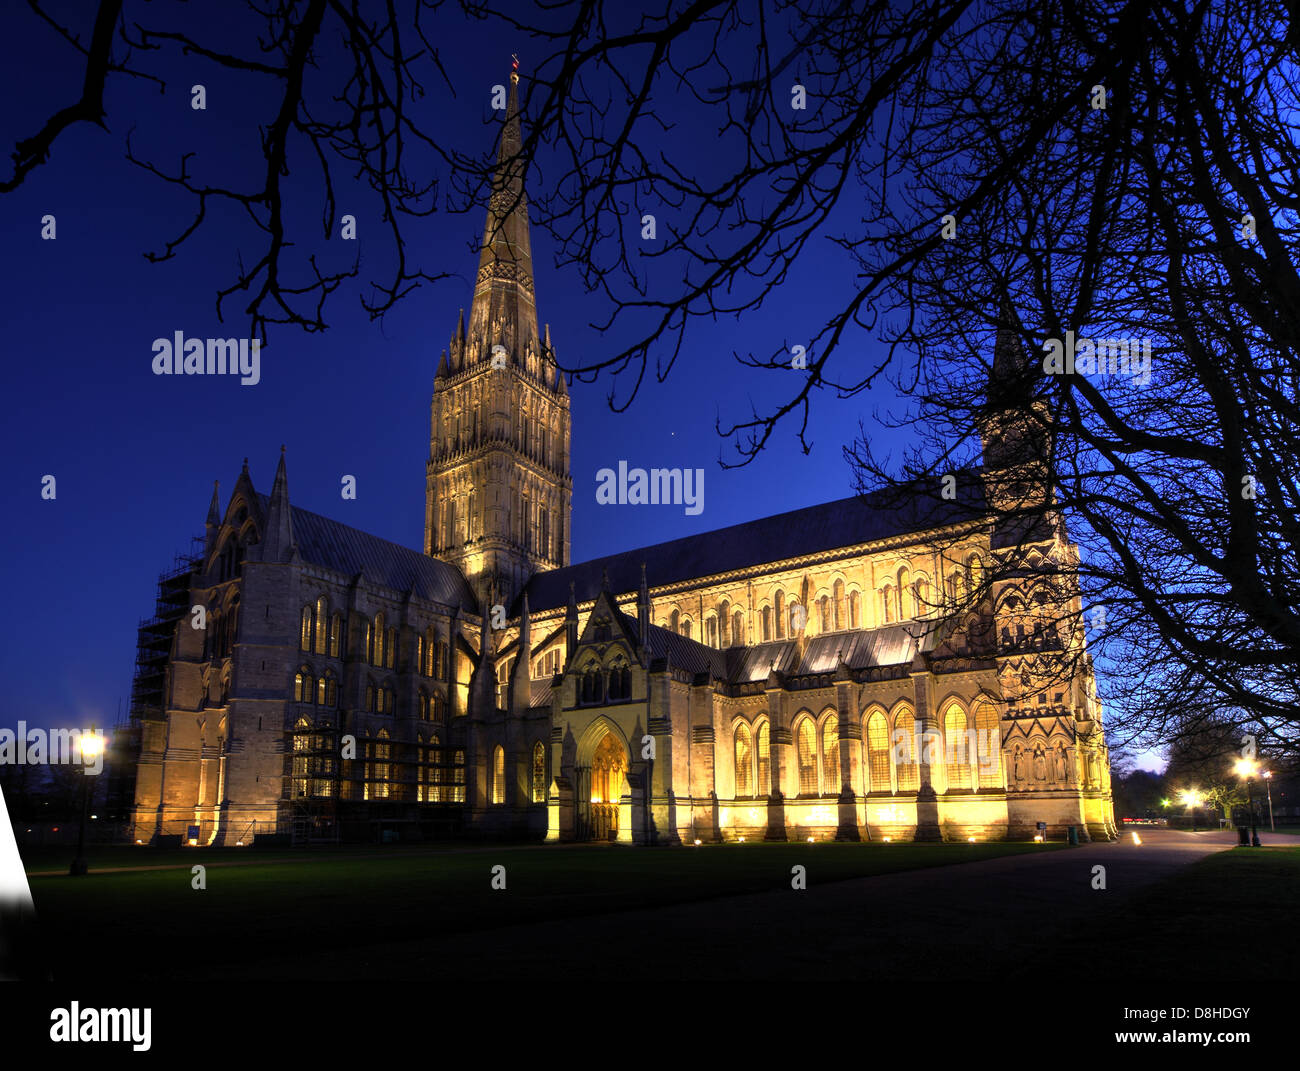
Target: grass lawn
<point x="1228" y="916"/>
<point x="352" y="899"/>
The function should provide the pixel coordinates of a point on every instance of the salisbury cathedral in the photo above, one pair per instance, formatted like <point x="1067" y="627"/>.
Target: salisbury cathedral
<point x="872" y="668"/>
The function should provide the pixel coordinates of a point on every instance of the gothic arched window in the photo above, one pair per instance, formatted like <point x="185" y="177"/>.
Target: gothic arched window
<point x="906" y="609"/>
<point x="954" y="743"/>
<point x="906" y="745"/>
<point x="831" y="756"/>
<point x="744" y="758"/>
<point x="327" y="690"/>
<point x="322" y="625"/>
<point x="304" y="686"/>
<point x="878" y="759"/>
<point x="806" y="756"/>
<point x="498" y="774"/>
<point x="988" y="746"/>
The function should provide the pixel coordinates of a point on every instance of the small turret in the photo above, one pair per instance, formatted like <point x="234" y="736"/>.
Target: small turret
<point x="277" y="541"/>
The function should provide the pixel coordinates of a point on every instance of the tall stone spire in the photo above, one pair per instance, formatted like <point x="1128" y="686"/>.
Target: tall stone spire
<point x="1011" y="375"/>
<point x="498" y="495"/>
<point x="504" y="310"/>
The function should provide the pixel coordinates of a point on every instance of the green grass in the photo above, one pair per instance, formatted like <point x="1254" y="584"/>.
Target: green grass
<point x="354" y="899"/>
<point x="1227" y="916"/>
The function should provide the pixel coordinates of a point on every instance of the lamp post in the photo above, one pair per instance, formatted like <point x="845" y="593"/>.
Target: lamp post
<point x="91" y="746"/>
<point x="1268" y="787"/>
<point x="1192" y="799"/>
<point x="1247" y="768"/>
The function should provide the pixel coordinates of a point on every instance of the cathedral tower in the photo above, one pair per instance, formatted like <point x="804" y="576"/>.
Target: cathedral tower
<point x="498" y="493"/>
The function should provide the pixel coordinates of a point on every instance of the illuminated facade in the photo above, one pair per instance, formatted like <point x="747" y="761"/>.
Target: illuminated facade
<point x="844" y="671"/>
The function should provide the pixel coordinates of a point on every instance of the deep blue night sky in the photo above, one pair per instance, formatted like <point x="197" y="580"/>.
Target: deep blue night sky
<point x="135" y="454"/>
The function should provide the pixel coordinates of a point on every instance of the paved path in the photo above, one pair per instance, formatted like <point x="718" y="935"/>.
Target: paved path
<point x="939" y="922"/>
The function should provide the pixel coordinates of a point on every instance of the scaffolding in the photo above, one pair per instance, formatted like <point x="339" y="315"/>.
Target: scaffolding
<point x="392" y="790"/>
<point x="154" y="634"/>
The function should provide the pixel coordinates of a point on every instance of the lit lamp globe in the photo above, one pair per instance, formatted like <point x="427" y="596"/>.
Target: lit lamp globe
<point x="92" y="745"/>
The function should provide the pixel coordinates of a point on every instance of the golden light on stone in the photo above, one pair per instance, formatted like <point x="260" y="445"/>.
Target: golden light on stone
<point x="1038" y="838"/>
<point x="970" y="840"/>
<point x="698" y="842"/>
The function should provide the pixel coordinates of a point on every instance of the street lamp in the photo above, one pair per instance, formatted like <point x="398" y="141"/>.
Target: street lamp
<point x="92" y="745"/>
<point x="1247" y="768"/>
<point x="1268" y="787"/>
<point x="1192" y="799"/>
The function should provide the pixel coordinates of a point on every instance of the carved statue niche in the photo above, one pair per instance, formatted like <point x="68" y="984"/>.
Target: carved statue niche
<point x="1018" y="764"/>
<point x="1040" y="764"/>
<point x="1058" y="764"/>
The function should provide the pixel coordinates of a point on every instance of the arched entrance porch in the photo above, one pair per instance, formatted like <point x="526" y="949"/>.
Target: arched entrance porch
<point x="601" y="789"/>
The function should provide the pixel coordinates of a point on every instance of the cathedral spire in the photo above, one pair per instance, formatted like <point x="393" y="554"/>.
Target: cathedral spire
<point x="277" y="540"/>
<point x="214" y="507"/>
<point x="1011" y="375"/>
<point x="498" y="494"/>
<point x="504" y="310"/>
<point x="213" y="525"/>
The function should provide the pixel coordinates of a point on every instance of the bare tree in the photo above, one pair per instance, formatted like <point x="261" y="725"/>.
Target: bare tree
<point x="1121" y="172"/>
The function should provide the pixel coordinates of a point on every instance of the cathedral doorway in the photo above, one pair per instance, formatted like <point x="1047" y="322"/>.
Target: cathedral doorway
<point x="606" y="779"/>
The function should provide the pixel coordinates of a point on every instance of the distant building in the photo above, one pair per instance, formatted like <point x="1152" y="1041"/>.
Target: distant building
<point x="844" y="671"/>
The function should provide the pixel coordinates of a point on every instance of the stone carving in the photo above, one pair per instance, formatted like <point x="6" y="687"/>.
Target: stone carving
<point x="1058" y="761"/>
